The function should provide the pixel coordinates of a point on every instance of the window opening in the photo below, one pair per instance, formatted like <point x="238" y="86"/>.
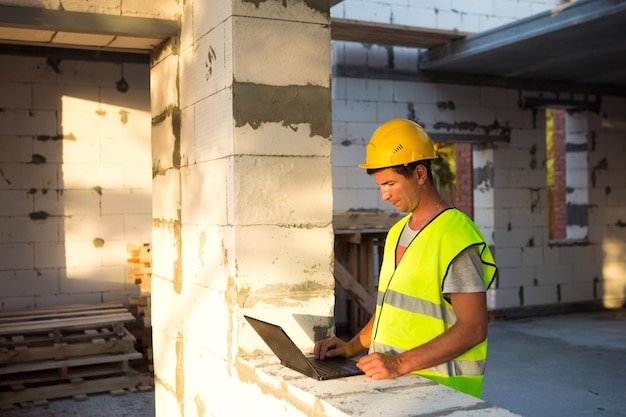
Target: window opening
<point x="453" y="173"/>
<point x="566" y="176"/>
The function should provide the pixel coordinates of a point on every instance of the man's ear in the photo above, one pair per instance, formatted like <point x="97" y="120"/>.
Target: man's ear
<point x="421" y="173"/>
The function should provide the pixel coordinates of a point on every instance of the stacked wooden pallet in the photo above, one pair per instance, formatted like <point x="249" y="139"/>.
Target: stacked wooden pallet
<point x="67" y="351"/>
<point x="140" y="260"/>
<point x="143" y="329"/>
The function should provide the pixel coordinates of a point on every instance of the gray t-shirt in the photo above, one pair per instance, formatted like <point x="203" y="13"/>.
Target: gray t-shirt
<point x="466" y="272"/>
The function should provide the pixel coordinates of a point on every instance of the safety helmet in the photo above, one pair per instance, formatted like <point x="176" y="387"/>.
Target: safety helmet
<point x="398" y="142"/>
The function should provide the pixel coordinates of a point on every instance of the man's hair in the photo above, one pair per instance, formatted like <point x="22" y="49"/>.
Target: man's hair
<point x="407" y="170"/>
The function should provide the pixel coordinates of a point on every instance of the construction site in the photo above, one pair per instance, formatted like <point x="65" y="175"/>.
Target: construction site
<point x="168" y="167"/>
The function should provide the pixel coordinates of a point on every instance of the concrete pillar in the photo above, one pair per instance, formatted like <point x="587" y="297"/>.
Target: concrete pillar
<point x="484" y="189"/>
<point x="484" y="203"/>
<point x="242" y="206"/>
<point x="577" y="168"/>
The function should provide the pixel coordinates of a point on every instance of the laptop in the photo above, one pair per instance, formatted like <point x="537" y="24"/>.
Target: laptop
<point x="292" y="357"/>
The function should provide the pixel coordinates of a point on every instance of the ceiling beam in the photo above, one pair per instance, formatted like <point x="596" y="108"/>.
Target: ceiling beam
<point x="85" y="23"/>
<point x="55" y="53"/>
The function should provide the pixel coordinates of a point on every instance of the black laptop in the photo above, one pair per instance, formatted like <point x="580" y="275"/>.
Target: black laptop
<point x="291" y="356"/>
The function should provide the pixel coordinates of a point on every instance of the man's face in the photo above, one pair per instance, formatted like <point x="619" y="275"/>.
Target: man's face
<point x="403" y="193"/>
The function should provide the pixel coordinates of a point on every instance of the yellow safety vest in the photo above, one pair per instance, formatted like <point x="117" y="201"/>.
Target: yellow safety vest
<point x="411" y="309"/>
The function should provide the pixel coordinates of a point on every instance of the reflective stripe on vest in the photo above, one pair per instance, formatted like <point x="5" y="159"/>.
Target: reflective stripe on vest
<point x="417" y="305"/>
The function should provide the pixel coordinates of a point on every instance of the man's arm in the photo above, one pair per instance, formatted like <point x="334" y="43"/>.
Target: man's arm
<point x="469" y="330"/>
<point x="333" y="346"/>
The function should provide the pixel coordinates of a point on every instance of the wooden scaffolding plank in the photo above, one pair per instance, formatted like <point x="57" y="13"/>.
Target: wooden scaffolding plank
<point x="59" y="376"/>
<point x="354" y="290"/>
<point x="67" y="323"/>
<point x="61" y="309"/>
<point x="70" y="389"/>
<point x="366" y="221"/>
<point x="68" y="336"/>
<point x="38" y="316"/>
<point x="66" y="363"/>
<point x="391" y="34"/>
<point x="93" y="344"/>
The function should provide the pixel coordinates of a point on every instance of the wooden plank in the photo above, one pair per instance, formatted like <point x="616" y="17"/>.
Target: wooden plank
<point x="70" y="389"/>
<point x="126" y="344"/>
<point x="18" y="341"/>
<point x="389" y="34"/>
<point x="69" y="336"/>
<point x="61" y="309"/>
<point x="68" y="323"/>
<point x="354" y="290"/>
<point x="364" y="221"/>
<point x="55" y="376"/>
<point x="48" y="316"/>
<point x="66" y="363"/>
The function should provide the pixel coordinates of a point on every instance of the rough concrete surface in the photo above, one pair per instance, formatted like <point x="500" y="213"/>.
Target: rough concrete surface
<point x="556" y="366"/>
<point x="568" y="365"/>
<point x="138" y="404"/>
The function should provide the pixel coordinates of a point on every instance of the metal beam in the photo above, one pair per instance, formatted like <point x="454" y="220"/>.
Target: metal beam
<point x="376" y="73"/>
<point x="580" y="42"/>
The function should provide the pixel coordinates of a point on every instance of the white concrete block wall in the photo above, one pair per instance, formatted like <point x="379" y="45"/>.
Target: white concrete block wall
<point x="607" y="213"/>
<point x="461" y="15"/>
<point x="280" y="198"/>
<point x="76" y="186"/>
<point x="242" y="197"/>
<point x="166" y="235"/>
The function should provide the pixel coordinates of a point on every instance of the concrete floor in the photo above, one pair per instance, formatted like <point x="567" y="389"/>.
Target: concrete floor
<point x="570" y="365"/>
<point x="139" y="404"/>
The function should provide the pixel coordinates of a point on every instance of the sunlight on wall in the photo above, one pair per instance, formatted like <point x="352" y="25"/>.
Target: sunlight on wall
<point x="106" y="181"/>
<point x="614" y="271"/>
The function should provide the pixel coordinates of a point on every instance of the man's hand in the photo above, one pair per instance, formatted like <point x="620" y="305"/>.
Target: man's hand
<point x="380" y="366"/>
<point x="333" y="347"/>
<point x="330" y="348"/>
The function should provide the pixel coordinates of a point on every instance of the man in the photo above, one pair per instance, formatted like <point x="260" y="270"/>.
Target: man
<point x="431" y="312"/>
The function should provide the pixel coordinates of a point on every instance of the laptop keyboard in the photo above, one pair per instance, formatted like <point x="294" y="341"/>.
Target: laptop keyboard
<point x="323" y="368"/>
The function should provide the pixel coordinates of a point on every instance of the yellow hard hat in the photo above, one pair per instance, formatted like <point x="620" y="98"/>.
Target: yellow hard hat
<point x="398" y="142"/>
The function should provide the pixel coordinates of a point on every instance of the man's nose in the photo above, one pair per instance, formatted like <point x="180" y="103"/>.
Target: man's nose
<point x="384" y="194"/>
